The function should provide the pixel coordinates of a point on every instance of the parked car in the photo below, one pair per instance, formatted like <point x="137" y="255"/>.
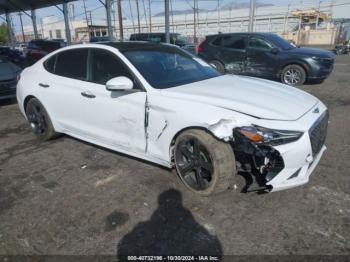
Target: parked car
<point x="341" y="49"/>
<point x="96" y="39"/>
<point x="21" y="48"/>
<point x="39" y="48"/>
<point x="266" y="55"/>
<point x="9" y="73"/>
<point x="11" y="54"/>
<point x="175" y="39"/>
<point x="160" y="103"/>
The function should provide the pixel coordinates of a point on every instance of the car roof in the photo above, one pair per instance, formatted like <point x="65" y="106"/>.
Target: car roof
<point x="134" y="45"/>
<point x="242" y="33"/>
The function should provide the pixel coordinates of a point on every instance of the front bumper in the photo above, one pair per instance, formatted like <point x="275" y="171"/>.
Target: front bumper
<point x="301" y="157"/>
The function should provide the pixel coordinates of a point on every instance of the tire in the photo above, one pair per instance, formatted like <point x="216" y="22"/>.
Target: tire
<point x="193" y="168"/>
<point x="219" y="66"/>
<point x="293" y="75"/>
<point x="39" y="120"/>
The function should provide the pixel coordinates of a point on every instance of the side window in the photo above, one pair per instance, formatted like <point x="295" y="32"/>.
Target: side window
<point x="105" y="66"/>
<point x="49" y="64"/>
<point x="234" y="42"/>
<point x="259" y="43"/>
<point x="217" y="41"/>
<point x="72" y="64"/>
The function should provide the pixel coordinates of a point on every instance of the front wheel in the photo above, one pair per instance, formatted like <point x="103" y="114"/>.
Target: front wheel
<point x="39" y="120"/>
<point x="204" y="164"/>
<point x="293" y="75"/>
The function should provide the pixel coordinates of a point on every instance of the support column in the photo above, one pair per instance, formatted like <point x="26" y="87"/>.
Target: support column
<point x="109" y="20"/>
<point x="35" y="29"/>
<point x="66" y="23"/>
<point x="9" y="28"/>
<point x="167" y="30"/>
<point x="251" y="16"/>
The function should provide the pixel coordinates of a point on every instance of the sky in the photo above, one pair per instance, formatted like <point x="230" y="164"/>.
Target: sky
<point x="98" y="11"/>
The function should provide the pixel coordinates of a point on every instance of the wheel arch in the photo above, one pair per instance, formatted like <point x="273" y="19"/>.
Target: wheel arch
<point x="26" y="100"/>
<point x="184" y="129"/>
<point x="302" y="64"/>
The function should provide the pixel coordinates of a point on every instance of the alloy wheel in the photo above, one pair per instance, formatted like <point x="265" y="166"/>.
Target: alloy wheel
<point x="36" y="118"/>
<point x="292" y="76"/>
<point x="194" y="164"/>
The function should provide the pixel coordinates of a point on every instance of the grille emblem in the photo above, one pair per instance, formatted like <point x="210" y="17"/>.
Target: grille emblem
<point x="316" y="110"/>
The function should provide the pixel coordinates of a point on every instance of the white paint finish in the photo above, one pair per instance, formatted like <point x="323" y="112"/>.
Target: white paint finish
<point x="256" y="97"/>
<point x="116" y="119"/>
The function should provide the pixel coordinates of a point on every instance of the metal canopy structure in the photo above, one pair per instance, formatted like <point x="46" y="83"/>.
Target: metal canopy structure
<point x="10" y="6"/>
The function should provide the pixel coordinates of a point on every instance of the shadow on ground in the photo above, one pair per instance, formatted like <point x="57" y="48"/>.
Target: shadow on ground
<point x="172" y="230"/>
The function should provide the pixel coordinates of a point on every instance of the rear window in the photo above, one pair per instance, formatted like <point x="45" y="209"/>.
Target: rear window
<point x="72" y="64"/>
<point x="234" y="42"/>
<point x="50" y="63"/>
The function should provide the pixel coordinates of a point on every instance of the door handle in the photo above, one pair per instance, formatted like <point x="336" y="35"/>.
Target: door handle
<point x="88" y="94"/>
<point x="44" y="85"/>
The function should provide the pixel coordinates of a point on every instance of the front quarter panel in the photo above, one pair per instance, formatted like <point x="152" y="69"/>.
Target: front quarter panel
<point x="169" y="116"/>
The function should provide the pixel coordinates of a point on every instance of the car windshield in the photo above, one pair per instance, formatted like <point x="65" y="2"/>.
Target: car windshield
<point x="281" y="42"/>
<point x="170" y="67"/>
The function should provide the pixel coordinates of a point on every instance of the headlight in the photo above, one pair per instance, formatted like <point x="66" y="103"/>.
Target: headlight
<point x="273" y="137"/>
<point x="316" y="58"/>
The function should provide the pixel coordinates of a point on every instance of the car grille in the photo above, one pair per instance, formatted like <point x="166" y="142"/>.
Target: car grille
<point x="318" y="133"/>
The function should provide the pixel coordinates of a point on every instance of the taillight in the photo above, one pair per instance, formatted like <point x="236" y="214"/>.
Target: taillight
<point x="18" y="77"/>
<point x="200" y="47"/>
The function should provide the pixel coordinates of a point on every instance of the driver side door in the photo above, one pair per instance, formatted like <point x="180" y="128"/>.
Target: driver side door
<point x="260" y="60"/>
<point x="115" y="118"/>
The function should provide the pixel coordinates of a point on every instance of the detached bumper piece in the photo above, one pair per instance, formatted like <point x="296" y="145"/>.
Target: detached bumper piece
<point x="258" y="164"/>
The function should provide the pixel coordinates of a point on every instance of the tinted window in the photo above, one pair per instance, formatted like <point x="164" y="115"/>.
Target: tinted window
<point x="234" y="42"/>
<point x="105" y="66"/>
<point x="72" y="64"/>
<point x="50" y="64"/>
<point x="280" y="42"/>
<point x="169" y="67"/>
<point x="217" y="41"/>
<point x="257" y="42"/>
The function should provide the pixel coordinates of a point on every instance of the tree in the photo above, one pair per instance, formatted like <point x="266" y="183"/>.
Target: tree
<point x="3" y="34"/>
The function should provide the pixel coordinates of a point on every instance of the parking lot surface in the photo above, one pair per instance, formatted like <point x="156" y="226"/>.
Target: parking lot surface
<point x="69" y="197"/>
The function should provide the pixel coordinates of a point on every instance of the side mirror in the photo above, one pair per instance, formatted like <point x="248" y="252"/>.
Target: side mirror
<point x="275" y="50"/>
<point x="119" y="83"/>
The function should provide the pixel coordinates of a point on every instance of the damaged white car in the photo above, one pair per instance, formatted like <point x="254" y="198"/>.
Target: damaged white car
<point x="160" y="103"/>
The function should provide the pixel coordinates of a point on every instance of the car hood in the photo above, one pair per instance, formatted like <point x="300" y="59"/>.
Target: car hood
<point x="312" y="52"/>
<point x="252" y="96"/>
<point x="8" y="71"/>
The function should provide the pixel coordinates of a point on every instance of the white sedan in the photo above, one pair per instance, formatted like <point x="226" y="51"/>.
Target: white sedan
<point x="159" y="103"/>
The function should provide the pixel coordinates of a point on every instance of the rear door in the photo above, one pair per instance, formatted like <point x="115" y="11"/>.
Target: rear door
<point x="261" y="61"/>
<point x="61" y="88"/>
<point x="233" y="52"/>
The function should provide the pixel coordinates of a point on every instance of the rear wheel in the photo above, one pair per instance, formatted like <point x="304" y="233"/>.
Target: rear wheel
<point x="219" y="66"/>
<point x="204" y="164"/>
<point x="39" y="120"/>
<point x="293" y="75"/>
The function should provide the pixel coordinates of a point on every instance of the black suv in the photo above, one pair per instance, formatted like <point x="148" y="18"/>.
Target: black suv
<point x="175" y="39"/>
<point x="266" y="55"/>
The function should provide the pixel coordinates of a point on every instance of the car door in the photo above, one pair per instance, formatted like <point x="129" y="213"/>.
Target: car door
<point x="61" y="88"/>
<point x="262" y="57"/>
<point x="233" y="53"/>
<point x="116" y="118"/>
